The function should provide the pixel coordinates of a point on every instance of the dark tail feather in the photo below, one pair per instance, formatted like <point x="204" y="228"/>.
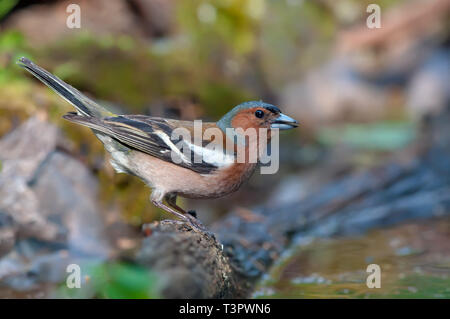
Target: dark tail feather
<point x="91" y="122"/>
<point x="82" y="103"/>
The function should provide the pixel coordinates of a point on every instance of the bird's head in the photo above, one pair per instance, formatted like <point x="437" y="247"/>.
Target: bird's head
<point x="256" y="114"/>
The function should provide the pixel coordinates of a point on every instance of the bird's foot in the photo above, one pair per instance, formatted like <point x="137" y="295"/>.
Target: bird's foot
<point x="195" y="223"/>
<point x="197" y="226"/>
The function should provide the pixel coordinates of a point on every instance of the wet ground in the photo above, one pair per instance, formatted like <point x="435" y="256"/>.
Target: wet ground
<point x="414" y="259"/>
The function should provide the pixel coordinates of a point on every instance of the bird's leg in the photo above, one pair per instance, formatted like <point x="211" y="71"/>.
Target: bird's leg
<point x="168" y="209"/>
<point x="172" y="201"/>
<point x="157" y="199"/>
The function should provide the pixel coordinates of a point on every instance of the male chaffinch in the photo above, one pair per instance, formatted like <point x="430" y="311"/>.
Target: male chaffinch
<point x="146" y="147"/>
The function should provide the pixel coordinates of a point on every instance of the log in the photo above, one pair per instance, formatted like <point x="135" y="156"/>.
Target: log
<point x="192" y="263"/>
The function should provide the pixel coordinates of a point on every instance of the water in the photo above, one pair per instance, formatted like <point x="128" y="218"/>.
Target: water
<point x="414" y="260"/>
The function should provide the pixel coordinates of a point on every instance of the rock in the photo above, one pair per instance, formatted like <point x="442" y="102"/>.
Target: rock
<point x="48" y="207"/>
<point x="67" y="193"/>
<point x="7" y="234"/>
<point x="22" y="151"/>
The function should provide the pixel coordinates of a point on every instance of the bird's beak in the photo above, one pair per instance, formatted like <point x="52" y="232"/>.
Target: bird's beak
<point x="283" y="122"/>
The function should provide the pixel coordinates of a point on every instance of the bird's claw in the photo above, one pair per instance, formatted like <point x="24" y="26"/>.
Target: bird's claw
<point x="195" y="223"/>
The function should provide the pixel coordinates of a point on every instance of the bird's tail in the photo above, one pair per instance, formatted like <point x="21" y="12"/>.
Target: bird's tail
<point x="84" y="105"/>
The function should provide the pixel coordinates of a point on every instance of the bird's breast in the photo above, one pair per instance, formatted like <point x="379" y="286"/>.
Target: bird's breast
<point x="222" y="182"/>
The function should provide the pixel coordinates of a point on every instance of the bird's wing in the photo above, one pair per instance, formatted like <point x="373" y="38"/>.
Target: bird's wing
<point x="163" y="139"/>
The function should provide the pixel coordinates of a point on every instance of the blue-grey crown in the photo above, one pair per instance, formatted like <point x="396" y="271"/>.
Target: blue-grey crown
<point x="225" y="121"/>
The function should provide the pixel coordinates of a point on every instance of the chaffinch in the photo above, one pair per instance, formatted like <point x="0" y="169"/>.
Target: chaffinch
<point x="147" y="147"/>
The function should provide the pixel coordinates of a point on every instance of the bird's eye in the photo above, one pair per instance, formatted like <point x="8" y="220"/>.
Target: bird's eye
<point x="259" y="114"/>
